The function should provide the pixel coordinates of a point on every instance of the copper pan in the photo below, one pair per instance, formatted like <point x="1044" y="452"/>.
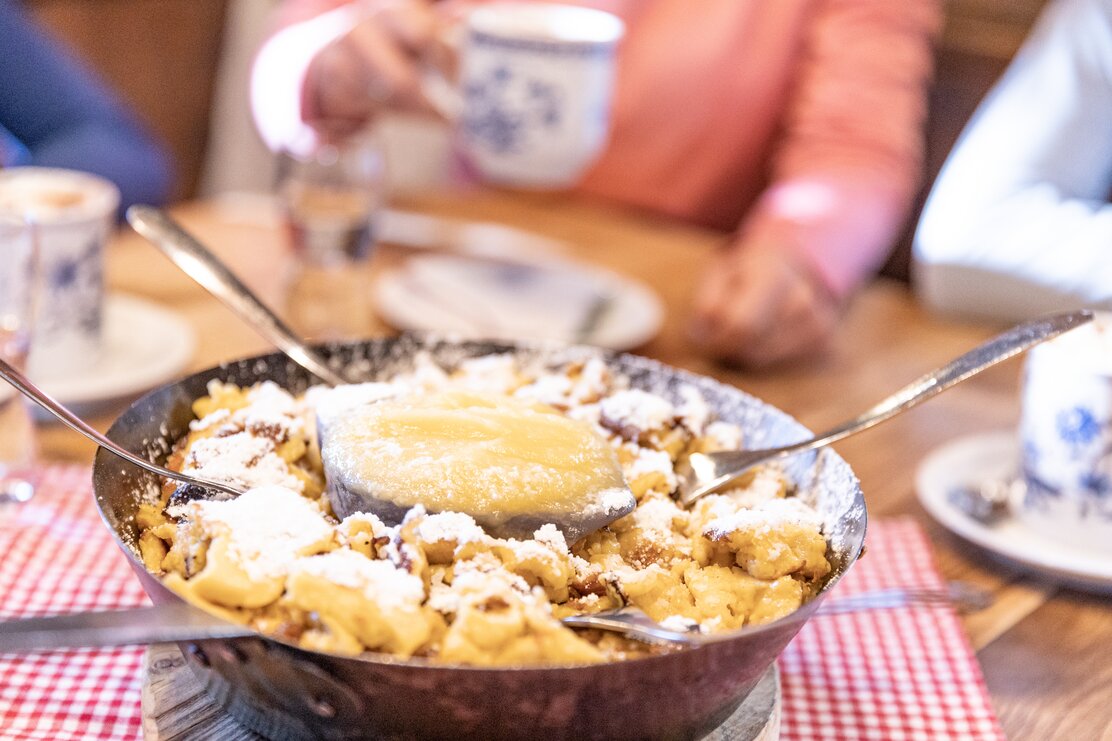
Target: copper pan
<point x="282" y="691"/>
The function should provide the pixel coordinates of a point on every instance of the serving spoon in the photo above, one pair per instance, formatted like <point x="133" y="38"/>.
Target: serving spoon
<point x="75" y="423"/>
<point x="200" y="264"/>
<point x="710" y="472"/>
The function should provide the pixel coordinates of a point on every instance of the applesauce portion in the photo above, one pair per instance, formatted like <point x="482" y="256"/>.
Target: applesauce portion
<point x="488" y="455"/>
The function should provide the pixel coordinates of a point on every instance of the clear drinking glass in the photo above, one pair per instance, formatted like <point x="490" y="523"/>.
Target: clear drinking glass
<point x="331" y="200"/>
<point x="18" y="276"/>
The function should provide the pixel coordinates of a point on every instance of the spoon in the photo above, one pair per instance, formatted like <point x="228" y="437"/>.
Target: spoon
<point x="184" y="622"/>
<point x="635" y="623"/>
<point x="200" y="264"/>
<point x="709" y="472"/>
<point x="988" y="502"/>
<point x="75" y="423"/>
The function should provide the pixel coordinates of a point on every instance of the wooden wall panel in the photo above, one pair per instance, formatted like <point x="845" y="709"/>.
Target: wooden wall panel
<point x="161" y="55"/>
<point x="979" y="39"/>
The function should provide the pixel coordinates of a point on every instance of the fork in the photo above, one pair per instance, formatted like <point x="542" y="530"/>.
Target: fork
<point x="709" y="472"/>
<point x="635" y="623"/>
<point x="962" y="596"/>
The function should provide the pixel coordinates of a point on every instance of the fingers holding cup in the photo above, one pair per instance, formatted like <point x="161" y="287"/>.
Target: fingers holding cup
<point x="375" y="66"/>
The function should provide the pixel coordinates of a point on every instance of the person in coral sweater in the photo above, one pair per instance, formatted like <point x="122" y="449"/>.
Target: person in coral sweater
<point x="795" y="124"/>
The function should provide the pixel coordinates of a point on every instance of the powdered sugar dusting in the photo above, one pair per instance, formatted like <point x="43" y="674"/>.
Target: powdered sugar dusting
<point x="592" y="381"/>
<point x="214" y="420"/>
<point x="657" y="514"/>
<point x="380" y="581"/>
<point x="638" y="410"/>
<point x="609" y="504"/>
<point x="496" y="374"/>
<point x="767" y="484"/>
<point x="679" y="624"/>
<point x="240" y="460"/>
<point x="693" y="411"/>
<point x="551" y="536"/>
<point x="454" y="527"/>
<point x="649" y="462"/>
<point x="332" y="403"/>
<point x="724" y="435"/>
<point x="768" y="516"/>
<point x="269" y="526"/>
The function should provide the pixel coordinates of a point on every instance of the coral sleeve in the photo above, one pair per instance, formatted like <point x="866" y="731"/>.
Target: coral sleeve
<point x="849" y="162"/>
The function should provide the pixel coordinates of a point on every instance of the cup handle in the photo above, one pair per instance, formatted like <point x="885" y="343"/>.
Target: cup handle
<point x="441" y="94"/>
<point x="439" y="90"/>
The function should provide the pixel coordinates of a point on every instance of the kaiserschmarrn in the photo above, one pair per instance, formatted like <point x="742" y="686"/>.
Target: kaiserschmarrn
<point x="437" y="585"/>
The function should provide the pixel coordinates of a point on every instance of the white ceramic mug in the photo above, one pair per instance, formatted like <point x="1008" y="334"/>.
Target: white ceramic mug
<point x="18" y="279"/>
<point x="1066" y="437"/>
<point x="532" y="106"/>
<point x="73" y="213"/>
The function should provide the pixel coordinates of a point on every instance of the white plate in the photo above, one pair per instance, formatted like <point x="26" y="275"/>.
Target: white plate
<point x="995" y="455"/>
<point x="144" y="345"/>
<point x="548" y="299"/>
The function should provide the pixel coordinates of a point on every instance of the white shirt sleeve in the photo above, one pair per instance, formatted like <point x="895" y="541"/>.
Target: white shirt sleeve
<point x="278" y="76"/>
<point x="1018" y="222"/>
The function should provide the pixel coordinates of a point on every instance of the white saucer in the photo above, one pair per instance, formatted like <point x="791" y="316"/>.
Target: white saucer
<point x="546" y="299"/>
<point x="144" y="345"/>
<point x="995" y="455"/>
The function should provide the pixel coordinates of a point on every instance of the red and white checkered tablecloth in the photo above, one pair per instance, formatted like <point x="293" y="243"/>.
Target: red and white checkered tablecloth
<point x="906" y="673"/>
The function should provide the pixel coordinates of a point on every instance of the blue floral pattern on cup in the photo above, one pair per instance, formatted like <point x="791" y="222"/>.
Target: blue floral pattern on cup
<point x="73" y="284"/>
<point x="1066" y="434"/>
<point x="1080" y="430"/>
<point x="1077" y="426"/>
<point x="1099" y="484"/>
<point x="503" y="107"/>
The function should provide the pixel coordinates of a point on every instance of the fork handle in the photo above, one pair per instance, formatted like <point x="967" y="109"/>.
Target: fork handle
<point x="1001" y="347"/>
<point x="729" y="465"/>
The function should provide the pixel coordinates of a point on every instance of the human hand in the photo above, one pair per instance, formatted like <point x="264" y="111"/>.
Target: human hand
<point x="376" y="65"/>
<point x="759" y="305"/>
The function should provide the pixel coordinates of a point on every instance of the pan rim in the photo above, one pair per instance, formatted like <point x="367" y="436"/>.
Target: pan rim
<point x="104" y="460"/>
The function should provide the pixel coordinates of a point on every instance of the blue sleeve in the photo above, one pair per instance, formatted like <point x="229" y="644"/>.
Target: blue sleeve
<point x="63" y="116"/>
<point x="12" y="150"/>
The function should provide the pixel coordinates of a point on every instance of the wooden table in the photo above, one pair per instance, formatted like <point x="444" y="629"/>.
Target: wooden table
<point x="1044" y="650"/>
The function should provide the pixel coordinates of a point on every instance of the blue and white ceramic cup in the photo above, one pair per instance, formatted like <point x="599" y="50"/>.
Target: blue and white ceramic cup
<point x="1066" y="436"/>
<point x="73" y="213"/>
<point x="536" y="81"/>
